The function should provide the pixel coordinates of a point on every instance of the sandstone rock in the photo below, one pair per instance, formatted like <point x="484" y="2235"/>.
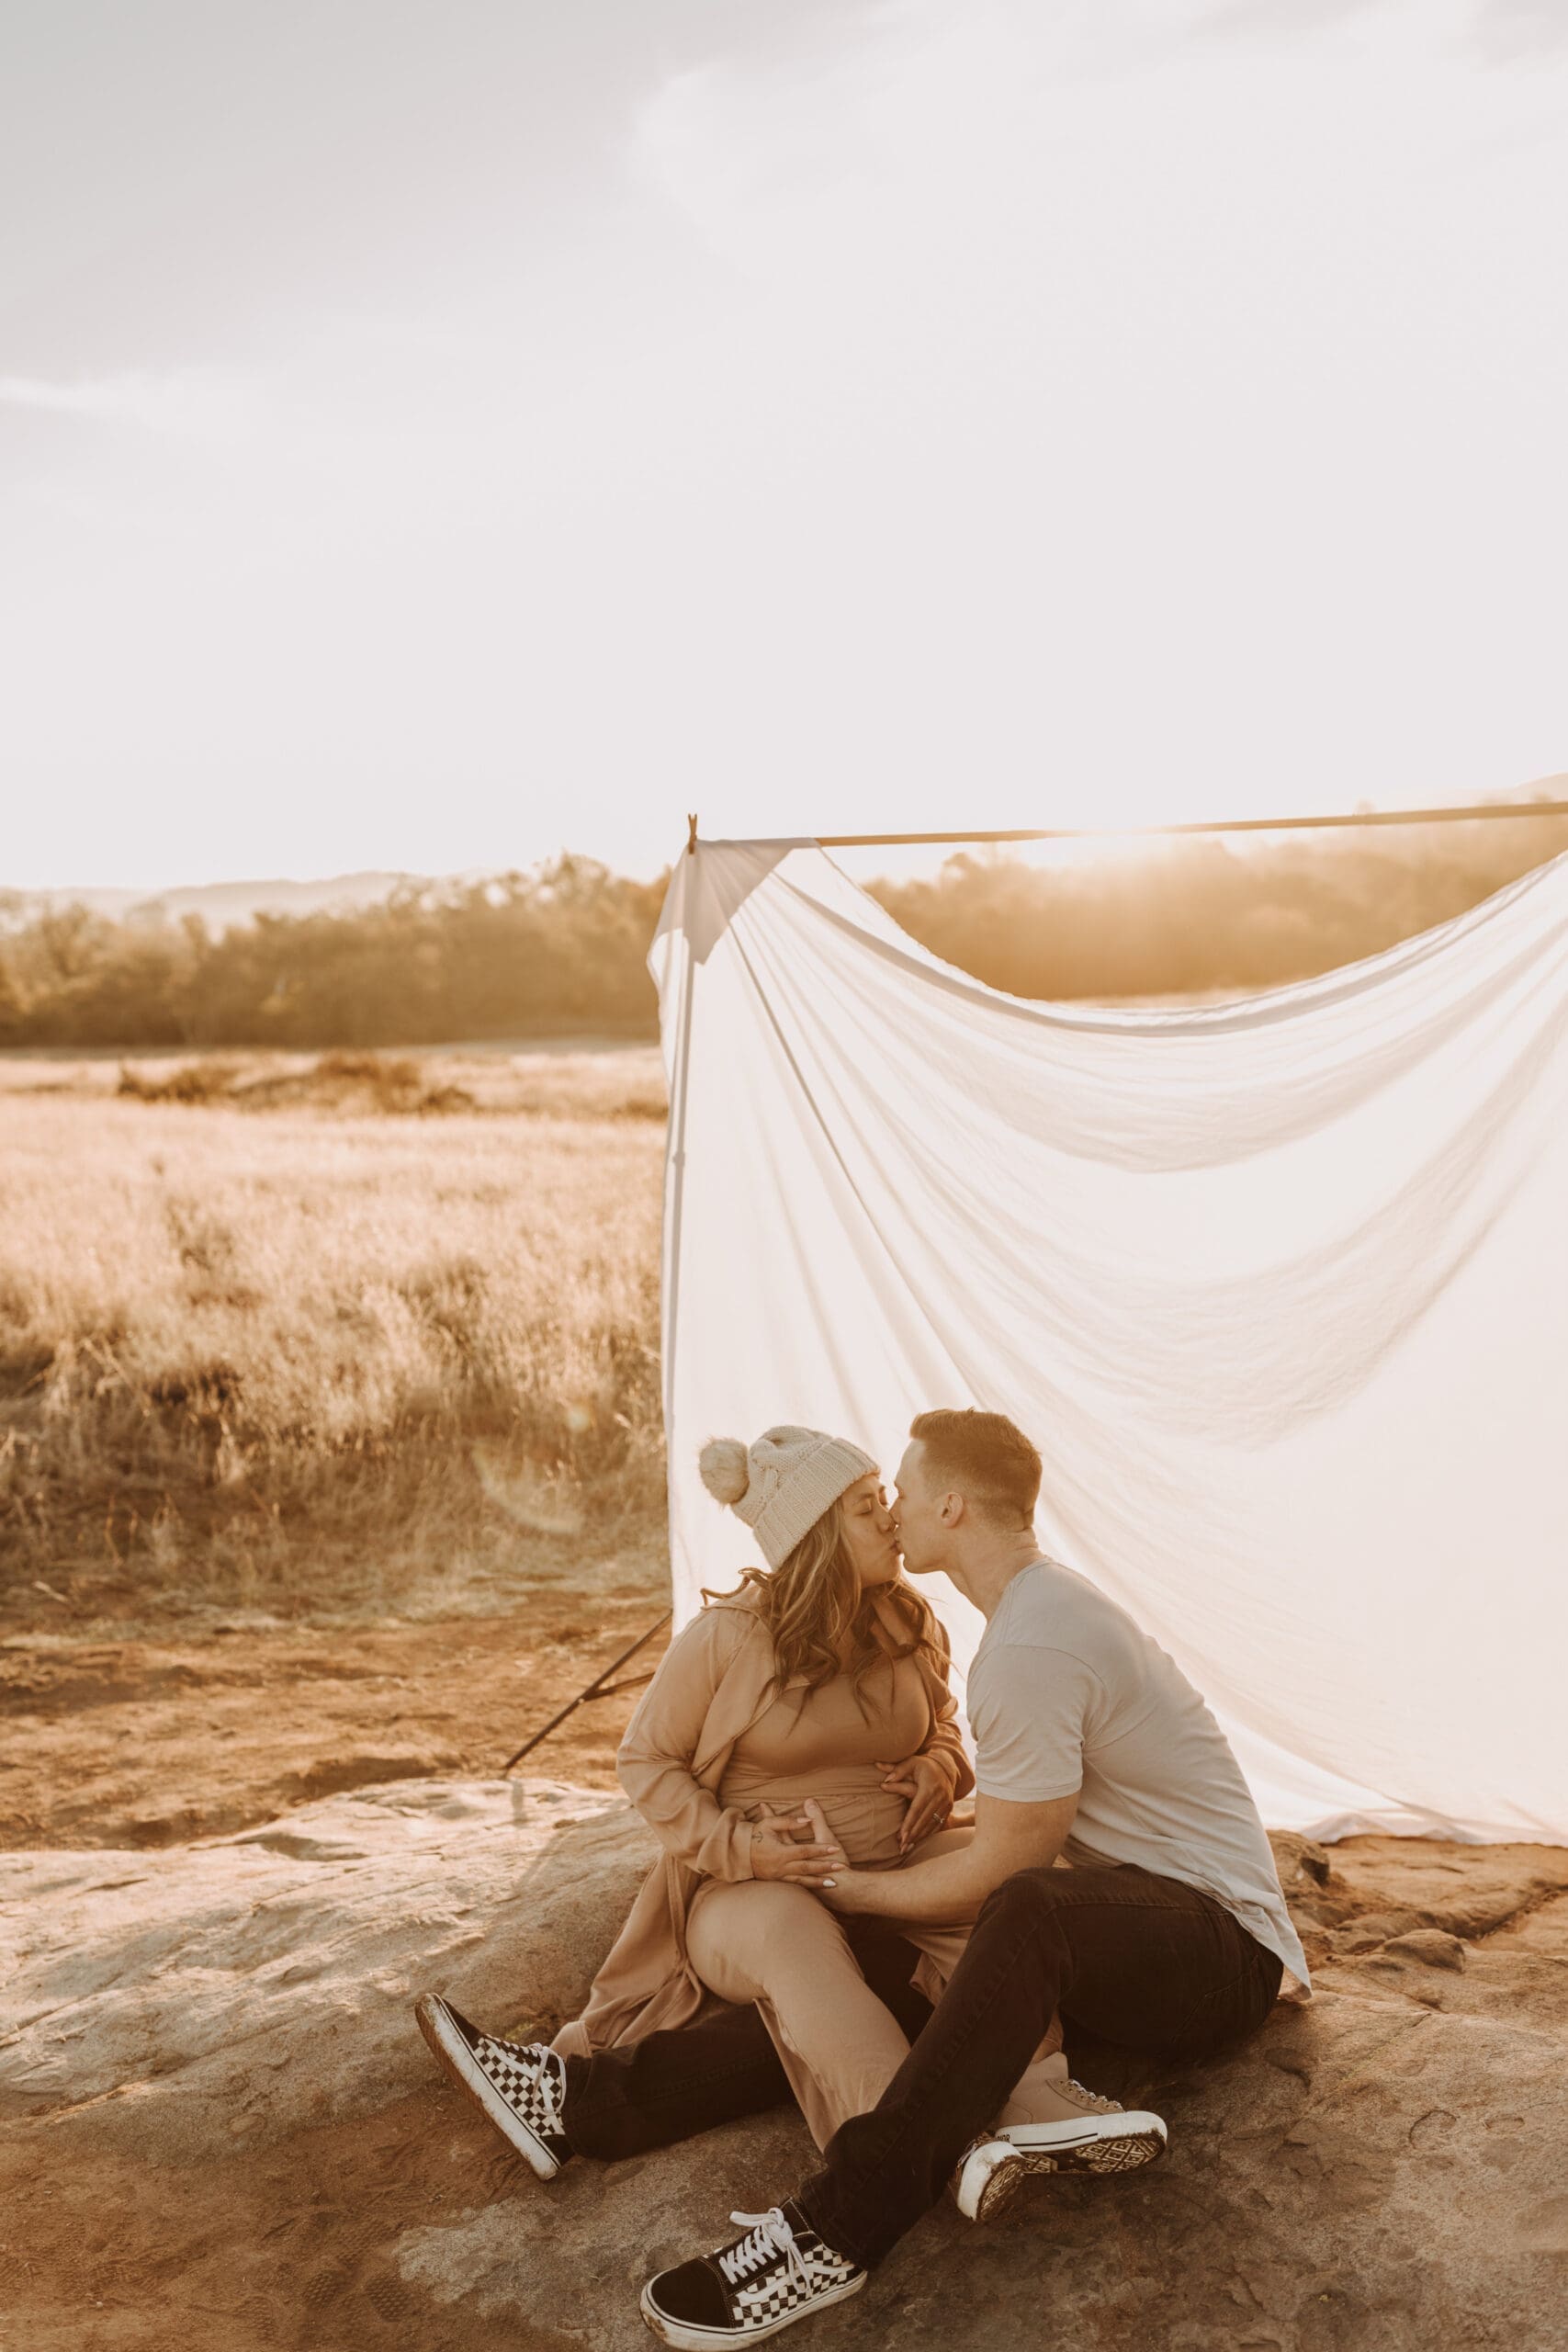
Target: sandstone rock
<point x="264" y="1980"/>
<point x="222" y="2129"/>
<point x="1431" y="1946"/>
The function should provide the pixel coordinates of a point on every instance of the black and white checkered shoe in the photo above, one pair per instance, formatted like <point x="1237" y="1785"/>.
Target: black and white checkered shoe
<point x="779" y="2271"/>
<point x="521" y="2086"/>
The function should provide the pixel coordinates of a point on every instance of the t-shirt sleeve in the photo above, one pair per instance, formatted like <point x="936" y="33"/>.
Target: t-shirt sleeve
<point x="1028" y="1707"/>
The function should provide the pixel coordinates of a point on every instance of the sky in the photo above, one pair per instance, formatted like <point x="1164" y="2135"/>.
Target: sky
<point x="434" y="432"/>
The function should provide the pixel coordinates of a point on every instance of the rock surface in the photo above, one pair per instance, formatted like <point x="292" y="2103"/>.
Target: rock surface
<point x="222" y="2129"/>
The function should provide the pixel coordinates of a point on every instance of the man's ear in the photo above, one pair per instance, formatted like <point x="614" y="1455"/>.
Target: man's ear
<point x="952" y="1510"/>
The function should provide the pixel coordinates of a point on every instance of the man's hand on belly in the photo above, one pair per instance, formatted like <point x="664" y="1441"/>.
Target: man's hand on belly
<point x="951" y="1887"/>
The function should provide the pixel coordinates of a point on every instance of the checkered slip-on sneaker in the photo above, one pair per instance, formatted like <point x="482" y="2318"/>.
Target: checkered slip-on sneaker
<point x="521" y="2086"/>
<point x="778" y="2272"/>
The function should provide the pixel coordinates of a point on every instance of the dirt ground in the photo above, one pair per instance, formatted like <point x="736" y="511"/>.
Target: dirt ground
<point x="154" y="1743"/>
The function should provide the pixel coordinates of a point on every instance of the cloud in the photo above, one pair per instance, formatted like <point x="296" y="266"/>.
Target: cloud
<point x="193" y="405"/>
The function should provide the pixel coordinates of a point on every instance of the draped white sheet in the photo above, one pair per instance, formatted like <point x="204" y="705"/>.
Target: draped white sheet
<point x="1279" y="1288"/>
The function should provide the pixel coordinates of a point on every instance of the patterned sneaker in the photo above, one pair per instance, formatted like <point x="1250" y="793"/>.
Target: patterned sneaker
<point x="1086" y="2133"/>
<point x="521" y="2086"/>
<point x="779" y="2271"/>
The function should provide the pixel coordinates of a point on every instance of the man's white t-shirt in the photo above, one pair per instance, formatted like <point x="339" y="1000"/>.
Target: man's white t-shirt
<point x="1068" y="1696"/>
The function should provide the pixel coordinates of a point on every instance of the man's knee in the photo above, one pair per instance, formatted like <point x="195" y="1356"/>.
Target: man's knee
<point x="1028" y="1897"/>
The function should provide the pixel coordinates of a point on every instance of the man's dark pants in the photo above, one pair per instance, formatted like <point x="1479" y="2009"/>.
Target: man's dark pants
<point x="1126" y="1957"/>
<point x="1123" y="1955"/>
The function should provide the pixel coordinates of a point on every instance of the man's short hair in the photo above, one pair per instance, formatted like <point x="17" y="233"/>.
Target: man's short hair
<point x="984" y="1457"/>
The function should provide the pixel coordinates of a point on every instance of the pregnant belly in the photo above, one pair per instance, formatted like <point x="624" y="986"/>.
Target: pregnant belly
<point x="864" y="1821"/>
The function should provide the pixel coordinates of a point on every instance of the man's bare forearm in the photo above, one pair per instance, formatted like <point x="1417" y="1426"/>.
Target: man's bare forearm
<point x="948" y="1888"/>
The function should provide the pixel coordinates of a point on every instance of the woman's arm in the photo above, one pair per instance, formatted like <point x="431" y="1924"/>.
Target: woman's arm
<point x="943" y="1743"/>
<point x="654" y="1766"/>
<point x="937" y="1771"/>
<point x="654" y="1762"/>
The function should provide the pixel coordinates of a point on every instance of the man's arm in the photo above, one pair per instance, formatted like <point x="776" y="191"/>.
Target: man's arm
<point x="1008" y="1837"/>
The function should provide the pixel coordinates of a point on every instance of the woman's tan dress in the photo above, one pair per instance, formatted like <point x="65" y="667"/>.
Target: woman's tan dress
<point x="779" y="1944"/>
<point x="713" y="1687"/>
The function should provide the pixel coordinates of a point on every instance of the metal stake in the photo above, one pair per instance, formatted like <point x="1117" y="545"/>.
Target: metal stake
<point x="598" y="1689"/>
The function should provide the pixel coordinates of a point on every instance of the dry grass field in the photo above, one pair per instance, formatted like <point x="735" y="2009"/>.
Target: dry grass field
<point x="304" y="1336"/>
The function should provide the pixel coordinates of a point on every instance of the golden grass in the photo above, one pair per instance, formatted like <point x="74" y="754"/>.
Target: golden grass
<point x="326" y="1357"/>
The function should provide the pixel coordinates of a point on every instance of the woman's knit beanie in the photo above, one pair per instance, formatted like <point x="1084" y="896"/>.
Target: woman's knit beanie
<point x="781" y="1485"/>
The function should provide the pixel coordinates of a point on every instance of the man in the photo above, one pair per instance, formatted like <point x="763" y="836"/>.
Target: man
<point x="1167" y="1933"/>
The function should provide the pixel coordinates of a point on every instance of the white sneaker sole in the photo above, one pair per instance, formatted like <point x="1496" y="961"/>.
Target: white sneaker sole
<point x="449" y="2045"/>
<point x="1128" y="2153"/>
<point x="1137" y="2124"/>
<point x="686" y="2337"/>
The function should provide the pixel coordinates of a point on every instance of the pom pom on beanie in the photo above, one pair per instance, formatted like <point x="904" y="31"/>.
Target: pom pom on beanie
<point x="724" y="1469"/>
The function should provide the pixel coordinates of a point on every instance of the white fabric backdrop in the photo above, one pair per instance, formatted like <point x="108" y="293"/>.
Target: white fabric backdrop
<point x="1279" y="1290"/>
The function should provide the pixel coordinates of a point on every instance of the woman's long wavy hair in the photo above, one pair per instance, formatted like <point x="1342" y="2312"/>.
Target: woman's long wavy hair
<point x="820" y="1622"/>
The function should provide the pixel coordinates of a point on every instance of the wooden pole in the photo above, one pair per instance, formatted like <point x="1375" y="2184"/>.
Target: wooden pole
<point x="1486" y="810"/>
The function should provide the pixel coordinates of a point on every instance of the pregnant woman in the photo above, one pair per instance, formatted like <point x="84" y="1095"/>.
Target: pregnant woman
<point x="824" y="1676"/>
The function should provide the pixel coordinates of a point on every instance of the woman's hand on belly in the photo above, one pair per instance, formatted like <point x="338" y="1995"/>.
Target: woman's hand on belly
<point x="921" y="1781"/>
<point x="784" y="1846"/>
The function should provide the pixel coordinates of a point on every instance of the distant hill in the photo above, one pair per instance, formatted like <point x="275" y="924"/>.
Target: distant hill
<point x="220" y="905"/>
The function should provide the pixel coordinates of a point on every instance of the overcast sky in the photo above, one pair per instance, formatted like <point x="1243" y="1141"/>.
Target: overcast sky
<point x="433" y="432"/>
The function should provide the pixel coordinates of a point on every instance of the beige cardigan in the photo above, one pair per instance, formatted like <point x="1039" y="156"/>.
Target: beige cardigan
<point x="716" y="1678"/>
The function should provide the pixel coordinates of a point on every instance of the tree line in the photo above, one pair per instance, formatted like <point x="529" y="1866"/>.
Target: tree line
<point x="1206" y="913"/>
<point x="559" y="949"/>
<point x="563" y="948"/>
